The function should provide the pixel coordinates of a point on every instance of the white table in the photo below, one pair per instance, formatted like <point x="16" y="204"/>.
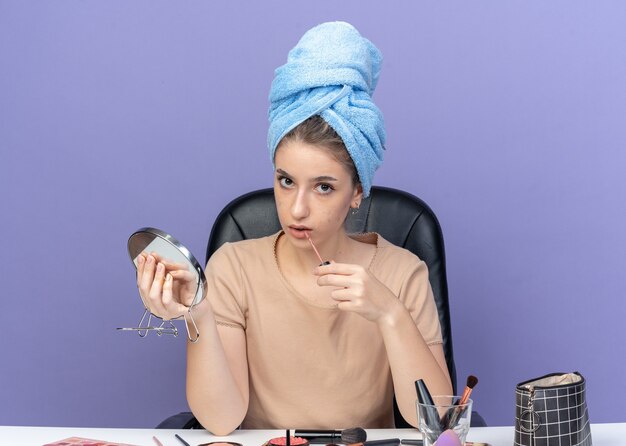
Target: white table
<point x="609" y="434"/>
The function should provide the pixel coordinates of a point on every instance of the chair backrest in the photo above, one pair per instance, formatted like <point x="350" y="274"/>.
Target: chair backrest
<point x="398" y="216"/>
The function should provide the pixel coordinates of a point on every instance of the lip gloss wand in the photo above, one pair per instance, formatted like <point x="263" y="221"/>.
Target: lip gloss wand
<point x="322" y="262"/>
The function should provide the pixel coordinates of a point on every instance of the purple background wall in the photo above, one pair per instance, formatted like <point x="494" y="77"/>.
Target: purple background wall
<point x="508" y="118"/>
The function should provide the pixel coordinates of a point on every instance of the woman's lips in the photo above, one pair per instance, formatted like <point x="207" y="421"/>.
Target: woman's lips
<point x="299" y="232"/>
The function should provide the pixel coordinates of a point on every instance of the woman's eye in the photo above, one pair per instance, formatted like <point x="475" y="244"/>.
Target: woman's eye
<point x="324" y="188"/>
<point x="285" y="182"/>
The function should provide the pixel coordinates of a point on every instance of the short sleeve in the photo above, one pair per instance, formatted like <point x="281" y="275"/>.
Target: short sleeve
<point x="224" y="290"/>
<point x="417" y="295"/>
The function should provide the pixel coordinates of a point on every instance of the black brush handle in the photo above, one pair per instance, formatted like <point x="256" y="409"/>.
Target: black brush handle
<point x="423" y="395"/>
<point x="457" y="413"/>
<point x="181" y="440"/>
<point x="318" y="435"/>
<point x="385" y="442"/>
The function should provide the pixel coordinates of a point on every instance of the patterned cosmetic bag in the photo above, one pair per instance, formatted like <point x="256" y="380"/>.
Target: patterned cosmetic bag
<point x="552" y="410"/>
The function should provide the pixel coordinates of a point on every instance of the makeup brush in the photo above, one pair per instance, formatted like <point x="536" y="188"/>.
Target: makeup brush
<point x="423" y="395"/>
<point x="322" y="262"/>
<point x="469" y="385"/>
<point x="346" y="436"/>
<point x="450" y="422"/>
<point x="431" y="416"/>
<point x="385" y="442"/>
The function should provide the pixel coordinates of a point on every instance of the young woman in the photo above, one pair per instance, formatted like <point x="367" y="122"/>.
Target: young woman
<point x="287" y="342"/>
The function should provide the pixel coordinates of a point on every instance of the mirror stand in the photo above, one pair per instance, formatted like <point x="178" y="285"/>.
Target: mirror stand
<point x="165" y="327"/>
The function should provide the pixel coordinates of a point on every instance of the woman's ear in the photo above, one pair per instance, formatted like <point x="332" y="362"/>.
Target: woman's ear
<point x="357" y="197"/>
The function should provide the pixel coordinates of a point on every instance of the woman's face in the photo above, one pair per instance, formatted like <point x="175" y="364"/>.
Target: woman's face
<point x="313" y="192"/>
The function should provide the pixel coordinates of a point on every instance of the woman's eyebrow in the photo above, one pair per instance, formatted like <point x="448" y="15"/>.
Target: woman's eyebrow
<point x="325" y="178"/>
<point x="317" y="179"/>
<point x="282" y="172"/>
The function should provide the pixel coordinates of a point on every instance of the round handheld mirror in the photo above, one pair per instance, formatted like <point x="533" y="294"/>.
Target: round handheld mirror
<point x="170" y="250"/>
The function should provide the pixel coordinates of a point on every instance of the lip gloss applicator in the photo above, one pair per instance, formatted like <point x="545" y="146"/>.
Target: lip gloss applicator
<point x="322" y="262"/>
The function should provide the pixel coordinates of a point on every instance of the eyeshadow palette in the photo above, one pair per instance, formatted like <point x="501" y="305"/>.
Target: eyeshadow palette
<point x="78" y="441"/>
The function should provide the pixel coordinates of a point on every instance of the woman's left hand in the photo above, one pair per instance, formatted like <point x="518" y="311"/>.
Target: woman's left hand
<point x="355" y="289"/>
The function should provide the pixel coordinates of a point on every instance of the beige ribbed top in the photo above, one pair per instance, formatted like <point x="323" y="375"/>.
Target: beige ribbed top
<point x="313" y="365"/>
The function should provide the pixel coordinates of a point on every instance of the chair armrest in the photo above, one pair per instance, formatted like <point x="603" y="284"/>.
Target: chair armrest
<point x="183" y="420"/>
<point x="477" y="420"/>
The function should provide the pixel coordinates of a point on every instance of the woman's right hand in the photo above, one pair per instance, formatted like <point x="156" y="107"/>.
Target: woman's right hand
<point x="166" y="288"/>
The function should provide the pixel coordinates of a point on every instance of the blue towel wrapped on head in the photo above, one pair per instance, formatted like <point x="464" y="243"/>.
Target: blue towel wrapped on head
<point x="332" y="72"/>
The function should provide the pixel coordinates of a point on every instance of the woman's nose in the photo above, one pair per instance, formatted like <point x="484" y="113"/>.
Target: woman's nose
<point x="300" y="205"/>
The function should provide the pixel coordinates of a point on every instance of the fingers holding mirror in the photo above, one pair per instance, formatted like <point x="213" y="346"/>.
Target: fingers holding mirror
<point x="170" y="280"/>
<point x="170" y="304"/>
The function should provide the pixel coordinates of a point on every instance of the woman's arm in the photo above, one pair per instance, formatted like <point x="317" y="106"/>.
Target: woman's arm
<point x="217" y="376"/>
<point x="410" y="357"/>
<point x="217" y="368"/>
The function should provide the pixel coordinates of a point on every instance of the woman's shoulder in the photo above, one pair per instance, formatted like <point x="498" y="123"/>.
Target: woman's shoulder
<point x="385" y="249"/>
<point x="398" y="268"/>
<point x="392" y="263"/>
<point x="244" y="249"/>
